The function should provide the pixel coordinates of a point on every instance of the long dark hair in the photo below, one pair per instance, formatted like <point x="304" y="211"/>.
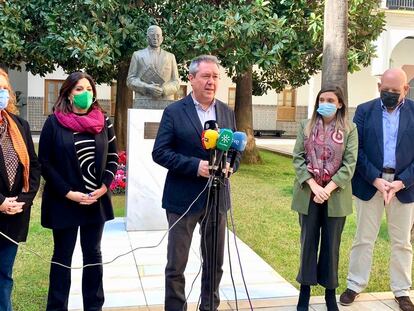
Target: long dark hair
<point x="342" y="121"/>
<point x="63" y="103"/>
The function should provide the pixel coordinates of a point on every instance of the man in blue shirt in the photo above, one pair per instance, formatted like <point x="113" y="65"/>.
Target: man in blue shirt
<point x="383" y="180"/>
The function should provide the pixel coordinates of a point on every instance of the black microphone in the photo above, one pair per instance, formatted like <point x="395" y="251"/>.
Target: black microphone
<point x="211" y="125"/>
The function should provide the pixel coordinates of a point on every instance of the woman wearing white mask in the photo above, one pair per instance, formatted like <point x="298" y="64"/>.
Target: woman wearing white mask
<point x="19" y="182"/>
<point x="324" y="159"/>
<point x="77" y="151"/>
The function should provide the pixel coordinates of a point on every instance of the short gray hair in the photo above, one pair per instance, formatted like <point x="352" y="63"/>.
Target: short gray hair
<point x="195" y="63"/>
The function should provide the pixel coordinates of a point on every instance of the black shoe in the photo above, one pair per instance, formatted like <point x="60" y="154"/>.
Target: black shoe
<point x="348" y="297"/>
<point x="304" y="296"/>
<point x="405" y="304"/>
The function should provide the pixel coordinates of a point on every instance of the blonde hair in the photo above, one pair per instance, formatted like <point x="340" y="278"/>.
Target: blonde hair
<point x="11" y="105"/>
<point x="342" y="122"/>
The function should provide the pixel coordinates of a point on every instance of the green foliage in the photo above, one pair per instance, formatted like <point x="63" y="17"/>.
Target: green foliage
<point x="90" y="35"/>
<point x="13" y="26"/>
<point x="283" y="39"/>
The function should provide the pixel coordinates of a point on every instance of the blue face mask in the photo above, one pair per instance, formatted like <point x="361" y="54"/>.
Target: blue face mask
<point x="326" y="109"/>
<point x="4" y="98"/>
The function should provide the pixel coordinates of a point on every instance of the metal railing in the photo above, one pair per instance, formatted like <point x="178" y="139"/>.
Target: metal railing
<point x="400" y="4"/>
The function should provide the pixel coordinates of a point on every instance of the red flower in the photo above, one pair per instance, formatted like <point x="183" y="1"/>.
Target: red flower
<point x="118" y="185"/>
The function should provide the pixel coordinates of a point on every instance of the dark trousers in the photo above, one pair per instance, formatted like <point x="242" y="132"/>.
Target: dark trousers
<point x="60" y="278"/>
<point x="8" y="252"/>
<point x="318" y="227"/>
<point x="179" y="242"/>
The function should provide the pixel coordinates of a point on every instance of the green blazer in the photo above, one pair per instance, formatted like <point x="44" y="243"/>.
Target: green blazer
<point x="340" y="201"/>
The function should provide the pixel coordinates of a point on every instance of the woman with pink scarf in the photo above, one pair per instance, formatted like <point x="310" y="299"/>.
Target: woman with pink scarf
<point x="78" y="154"/>
<point x="324" y="159"/>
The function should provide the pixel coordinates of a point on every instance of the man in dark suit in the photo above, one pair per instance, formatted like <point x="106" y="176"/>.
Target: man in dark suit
<point x="384" y="180"/>
<point x="178" y="148"/>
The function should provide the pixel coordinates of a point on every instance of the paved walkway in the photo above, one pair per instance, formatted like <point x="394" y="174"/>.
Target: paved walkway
<point x="136" y="281"/>
<point x="277" y="145"/>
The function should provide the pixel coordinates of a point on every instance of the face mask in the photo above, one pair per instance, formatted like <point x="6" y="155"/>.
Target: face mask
<point x="83" y="100"/>
<point x="4" y="98"/>
<point x="326" y="109"/>
<point x="390" y="99"/>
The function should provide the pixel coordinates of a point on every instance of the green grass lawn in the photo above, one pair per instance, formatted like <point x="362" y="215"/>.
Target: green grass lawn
<point x="261" y="201"/>
<point x="262" y="197"/>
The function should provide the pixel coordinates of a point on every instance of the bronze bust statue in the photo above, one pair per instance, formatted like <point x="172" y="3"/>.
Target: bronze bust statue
<point x="153" y="72"/>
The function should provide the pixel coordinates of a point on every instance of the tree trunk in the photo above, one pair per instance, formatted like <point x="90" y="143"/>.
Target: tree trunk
<point x="335" y="45"/>
<point x="244" y="116"/>
<point x="123" y="102"/>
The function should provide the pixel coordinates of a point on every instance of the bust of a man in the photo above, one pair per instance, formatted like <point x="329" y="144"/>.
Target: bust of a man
<point x="153" y="72"/>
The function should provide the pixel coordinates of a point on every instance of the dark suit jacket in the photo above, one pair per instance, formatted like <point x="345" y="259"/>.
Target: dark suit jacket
<point x="62" y="173"/>
<point x="178" y="148"/>
<point x="368" y="118"/>
<point x="16" y="226"/>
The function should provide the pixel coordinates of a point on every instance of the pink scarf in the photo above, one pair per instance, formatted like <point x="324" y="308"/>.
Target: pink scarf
<point x="324" y="151"/>
<point x="92" y="122"/>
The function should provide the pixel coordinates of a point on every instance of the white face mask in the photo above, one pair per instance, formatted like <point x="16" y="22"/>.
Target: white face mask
<point x="4" y="98"/>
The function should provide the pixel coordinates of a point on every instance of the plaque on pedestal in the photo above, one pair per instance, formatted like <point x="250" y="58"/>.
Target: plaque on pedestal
<point x="145" y="177"/>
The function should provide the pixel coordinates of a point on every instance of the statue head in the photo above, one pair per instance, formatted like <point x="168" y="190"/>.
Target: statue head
<point x="154" y="36"/>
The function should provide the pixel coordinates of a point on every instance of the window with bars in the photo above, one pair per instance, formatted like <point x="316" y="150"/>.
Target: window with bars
<point x="286" y="104"/>
<point x="52" y="88"/>
<point x="231" y="101"/>
<point x="287" y="98"/>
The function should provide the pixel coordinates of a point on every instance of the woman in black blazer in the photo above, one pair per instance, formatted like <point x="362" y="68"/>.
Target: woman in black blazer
<point x="19" y="181"/>
<point x="77" y="151"/>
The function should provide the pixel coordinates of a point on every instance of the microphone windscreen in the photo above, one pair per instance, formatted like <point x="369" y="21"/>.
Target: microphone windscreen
<point x="209" y="139"/>
<point x="225" y="139"/>
<point x="211" y="125"/>
<point x="239" y="141"/>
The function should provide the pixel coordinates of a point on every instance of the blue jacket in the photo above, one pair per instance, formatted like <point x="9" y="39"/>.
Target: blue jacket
<point x="178" y="148"/>
<point x="368" y="118"/>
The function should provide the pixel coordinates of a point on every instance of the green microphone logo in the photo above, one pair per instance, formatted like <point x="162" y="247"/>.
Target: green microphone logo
<point x="225" y="139"/>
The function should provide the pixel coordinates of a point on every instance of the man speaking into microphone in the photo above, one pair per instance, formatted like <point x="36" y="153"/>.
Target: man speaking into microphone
<point x="178" y="147"/>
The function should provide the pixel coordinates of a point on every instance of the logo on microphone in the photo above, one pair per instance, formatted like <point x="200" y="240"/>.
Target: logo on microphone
<point x="226" y="139"/>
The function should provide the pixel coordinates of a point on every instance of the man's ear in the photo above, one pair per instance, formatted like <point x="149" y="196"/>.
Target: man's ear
<point x="406" y="89"/>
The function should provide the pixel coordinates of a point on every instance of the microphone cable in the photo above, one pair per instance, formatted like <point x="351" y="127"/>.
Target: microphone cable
<point x="205" y="218"/>
<point x="238" y="254"/>
<point x="117" y="257"/>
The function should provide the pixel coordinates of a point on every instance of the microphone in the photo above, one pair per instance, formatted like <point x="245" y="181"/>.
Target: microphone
<point x="223" y="145"/>
<point x="209" y="142"/>
<point x="238" y="145"/>
<point x="211" y="125"/>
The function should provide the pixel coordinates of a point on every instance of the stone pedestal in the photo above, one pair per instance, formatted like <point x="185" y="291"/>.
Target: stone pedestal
<point x="145" y="177"/>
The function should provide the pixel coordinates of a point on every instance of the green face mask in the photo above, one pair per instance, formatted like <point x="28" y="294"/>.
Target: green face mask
<point x="83" y="100"/>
